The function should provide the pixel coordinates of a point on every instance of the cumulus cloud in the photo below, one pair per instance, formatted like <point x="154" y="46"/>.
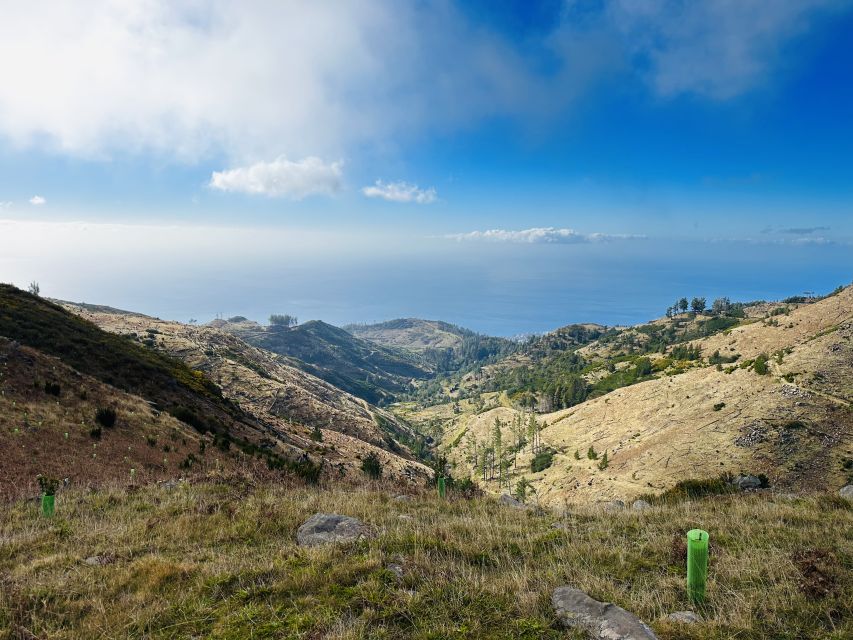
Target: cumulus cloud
<point x="400" y="192"/>
<point x="539" y="235"/>
<point x="281" y="177"/>
<point x="37" y="200"/>
<point x="253" y="80"/>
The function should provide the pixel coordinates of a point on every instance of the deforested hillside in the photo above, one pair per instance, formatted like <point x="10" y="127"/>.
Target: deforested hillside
<point x="413" y="334"/>
<point x="311" y="415"/>
<point x="771" y="395"/>
<point x="365" y="369"/>
<point x="87" y="405"/>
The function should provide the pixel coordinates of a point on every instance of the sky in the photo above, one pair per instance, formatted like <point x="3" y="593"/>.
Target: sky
<point x="511" y="167"/>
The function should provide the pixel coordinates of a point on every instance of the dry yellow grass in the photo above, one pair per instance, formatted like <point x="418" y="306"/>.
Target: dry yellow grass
<point x="218" y="560"/>
<point x="700" y="423"/>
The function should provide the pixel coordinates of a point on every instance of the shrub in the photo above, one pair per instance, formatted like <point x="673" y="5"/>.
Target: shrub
<point x="604" y="462"/>
<point x="52" y="388"/>
<point x="47" y="484"/>
<point x="96" y="433"/>
<point x="760" y="365"/>
<point x="542" y="461"/>
<point x="188" y="416"/>
<point x="719" y="406"/>
<point x="577" y="455"/>
<point x="372" y="466"/>
<point x="316" y="434"/>
<point x="695" y="488"/>
<point x="151" y="441"/>
<point x="188" y="462"/>
<point x="591" y="453"/>
<point x="106" y="417"/>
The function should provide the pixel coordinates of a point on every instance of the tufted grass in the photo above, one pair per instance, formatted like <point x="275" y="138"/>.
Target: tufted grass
<point x="219" y="561"/>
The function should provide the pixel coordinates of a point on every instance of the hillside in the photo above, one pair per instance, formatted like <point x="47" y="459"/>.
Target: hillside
<point x="770" y="395"/>
<point x="412" y="334"/>
<point x="58" y="370"/>
<point x="370" y="371"/>
<point x="266" y="386"/>
<point x="220" y="560"/>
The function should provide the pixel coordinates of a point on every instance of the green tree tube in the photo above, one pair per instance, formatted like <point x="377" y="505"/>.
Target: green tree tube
<point x="47" y="505"/>
<point x="697" y="564"/>
<point x="441" y="487"/>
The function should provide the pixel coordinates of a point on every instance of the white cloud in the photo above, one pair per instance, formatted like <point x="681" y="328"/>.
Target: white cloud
<point x="37" y="200"/>
<point x="6" y="204"/>
<point x="716" y="49"/>
<point x="400" y="192"/>
<point x="200" y="78"/>
<point x="540" y="235"/>
<point x="282" y="177"/>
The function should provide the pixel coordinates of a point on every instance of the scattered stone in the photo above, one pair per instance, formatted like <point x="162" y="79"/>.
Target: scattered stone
<point x="640" y="505"/>
<point x="331" y="528"/>
<point x="509" y="501"/>
<point x="405" y="516"/>
<point x="602" y="620"/>
<point x="99" y="561"/>
<point x="746" y="483"/>
<point x="684" y="617"/>
<point x="396" y="569"/>
<point x="846" y="492"/>
<point x="613" y="505"/>
<point x="403" y="498"/>
<point x="170" y="485"/>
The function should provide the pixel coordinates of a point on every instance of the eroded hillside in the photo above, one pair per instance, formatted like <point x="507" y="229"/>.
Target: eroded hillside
<point x="782" y="407"/>
<point x="312" y="416"/>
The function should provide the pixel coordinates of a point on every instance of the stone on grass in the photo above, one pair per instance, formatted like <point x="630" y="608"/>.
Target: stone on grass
<point x="331" y="528"/>
<point x="396" y="569"/>
<point x="746" y="483"/>
<point x="640" y="505"/>
<point x="846" y="492"/>
<point x="602" y="620"/>
<point x="614" y="505"/>
<point x="684" y="617"/>
<point x="403" y="498"/>
<point x="509" y="501"/>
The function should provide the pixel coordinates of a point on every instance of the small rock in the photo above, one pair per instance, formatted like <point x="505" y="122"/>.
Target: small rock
<point x="509" y="501"/>
<point x="684" y="617"/>
<point x="614" y="505"/>
<point x="99" y="561"/>
<point x="405" y="516"/>
<point x="846" y="492"/>
<point x="330" y="528"/>
<point x="746" y="483"/>
<point x="602" y="620"/>
<point x="640" y="505"/>
<point x="403" y="498"/>
<point x="396" y="569"/>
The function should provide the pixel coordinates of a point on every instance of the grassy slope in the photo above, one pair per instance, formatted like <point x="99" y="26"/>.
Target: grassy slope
<point x="703" y="421"/>
<point x="219" y="561"/>
<point x="112" y="359"/>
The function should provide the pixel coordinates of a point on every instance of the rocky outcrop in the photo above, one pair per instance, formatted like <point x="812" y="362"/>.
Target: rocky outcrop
<point x="602" y="620"/>
<point x="331" y="528"/>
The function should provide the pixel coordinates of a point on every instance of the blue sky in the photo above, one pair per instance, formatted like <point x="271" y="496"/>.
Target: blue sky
<point x="510" y="166"/>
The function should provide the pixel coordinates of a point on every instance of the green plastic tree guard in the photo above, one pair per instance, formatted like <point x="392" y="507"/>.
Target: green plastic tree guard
<point x="441" y="487"/>
<point x="48" y="504"/>
<point x="697" y="564"/>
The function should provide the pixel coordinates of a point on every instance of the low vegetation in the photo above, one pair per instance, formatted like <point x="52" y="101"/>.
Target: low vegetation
<point x="219" y="560"/>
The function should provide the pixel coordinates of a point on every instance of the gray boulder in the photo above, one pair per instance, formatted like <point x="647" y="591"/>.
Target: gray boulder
<point x="330" y="528"/>
<point x="602" y="620"/>
<point x="395" y="569"/>
<point x="613" y="505"/>
<point x="509" y="501"/>
<point x="846" y="492"/>
<point x="640" y="505"/>
<point x="746" y="483"/>
<point x="684" y="617"/>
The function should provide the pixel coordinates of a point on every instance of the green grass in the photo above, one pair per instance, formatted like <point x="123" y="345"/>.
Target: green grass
<point x="220" y="561"/>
